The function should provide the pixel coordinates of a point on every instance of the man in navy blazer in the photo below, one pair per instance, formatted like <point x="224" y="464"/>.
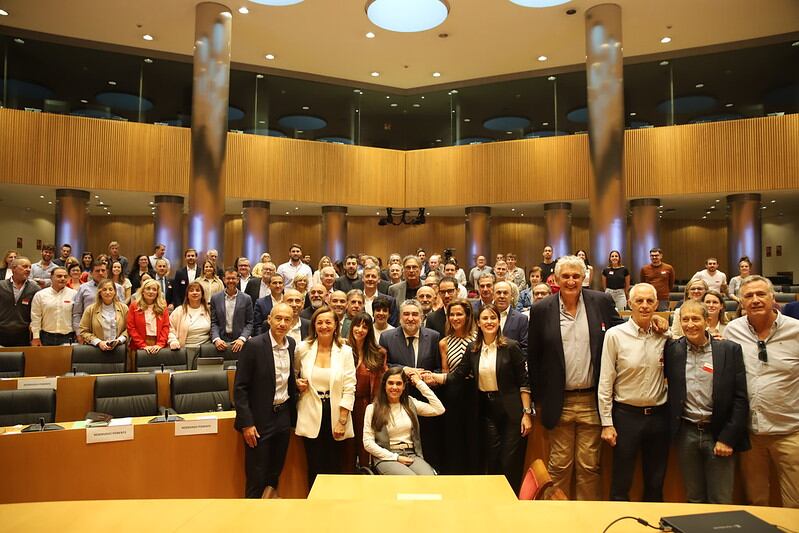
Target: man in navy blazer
<point x="231" y="315"/>
<point x="447" y="291"/>
<point x="565" y="336"/>
<point x="265" y="395"/>
<point x="183" y="276"/>
<point x="515" y="323"/>
<point x="707" y="395"/>
<point x="264" y="305"/>
<point x="416" y="349"/>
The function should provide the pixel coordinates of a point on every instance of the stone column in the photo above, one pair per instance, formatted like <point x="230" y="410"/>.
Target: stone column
<point x="168" y="227"/>
<point x="478" y="224"/>
<point x="212" y="31"/>
<point x="255" y="229"/>
<point x="644" y="235"/>
<point x="558" y="223"/>
<point x="71" y="220"/>
<point x="334" y="232"/>
<point x="744" y="231"/>
<point x="608" y="213"/>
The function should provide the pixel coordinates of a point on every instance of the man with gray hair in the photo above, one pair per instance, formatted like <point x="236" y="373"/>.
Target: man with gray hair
<point x="632" y="398"/>
<point x="565" y="336"/>
<point x="415" y="348"/>
<point x="16" y="295"/>
<point x="406" y="290"/>
<point x="770" y="344"/>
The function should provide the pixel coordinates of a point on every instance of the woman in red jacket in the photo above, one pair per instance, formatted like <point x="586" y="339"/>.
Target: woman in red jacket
<point x="148" y="318"/>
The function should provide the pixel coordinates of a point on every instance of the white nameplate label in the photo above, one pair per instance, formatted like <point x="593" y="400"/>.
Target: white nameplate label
<point x="414" y="496"/>
<point x="37" y="383"/>
<point x="109" y="434"/>
<point x="203" y="426"/>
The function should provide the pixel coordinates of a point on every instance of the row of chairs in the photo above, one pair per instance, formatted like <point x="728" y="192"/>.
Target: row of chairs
<point x="88" y="359"/>
<point x="124" y="395"/>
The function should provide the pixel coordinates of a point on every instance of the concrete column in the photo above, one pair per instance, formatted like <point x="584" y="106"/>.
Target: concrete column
<point x="168" y="227"/>
<point x="478" y="226"/>
<point x="604" y="70"/>
<point x="558" y="223"/>
<point x="71" y="219"/>
<point x="643" y="235"/>
<point x="255" y="222"/>
<point x="744" y="232"/>
<point x="334" y="232"/>
<point x="212" y="32"/>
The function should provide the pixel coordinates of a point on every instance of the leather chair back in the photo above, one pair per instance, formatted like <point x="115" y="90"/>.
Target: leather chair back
<point x="171" y="359"/>
<point x="26" y="406"/>
<point x="12" y="364"/>
<point x="93" y="360"/>
<point x="126" y="395"/>
<point x="209" y="350"/>
<point x="199" y="392"/>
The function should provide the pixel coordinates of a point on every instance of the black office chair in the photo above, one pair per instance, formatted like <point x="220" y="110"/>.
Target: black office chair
<point x="92" y="360"/>
<point x="785" y="297"/>
<point x="26" y="406"/>
<point x="231" y="358"/>
<point x="198" y="392"/>
<point x="170" y="359"/>
<point x="12" y="364"/>
<point x="126" y="395"/>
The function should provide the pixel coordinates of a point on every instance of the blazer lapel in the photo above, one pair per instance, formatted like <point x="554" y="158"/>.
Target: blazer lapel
<point x="554" y="315"/>
<point x="594" y="325"/>
<point x="719" y="362"/>
<point x="335" y="355"/>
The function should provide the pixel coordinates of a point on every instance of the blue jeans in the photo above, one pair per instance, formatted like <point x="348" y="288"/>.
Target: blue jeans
<point x="708" y="478"/>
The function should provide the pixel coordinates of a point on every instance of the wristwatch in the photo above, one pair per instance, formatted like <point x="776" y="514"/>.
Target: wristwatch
<point x="527" y="410"/>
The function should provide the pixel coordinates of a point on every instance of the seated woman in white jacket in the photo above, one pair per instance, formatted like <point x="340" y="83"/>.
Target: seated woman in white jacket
<point x="391" y="426"/>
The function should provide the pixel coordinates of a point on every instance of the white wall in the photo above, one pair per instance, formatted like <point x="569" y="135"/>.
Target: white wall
<point x="30" y="225"/>
<point x="781" y="231"/>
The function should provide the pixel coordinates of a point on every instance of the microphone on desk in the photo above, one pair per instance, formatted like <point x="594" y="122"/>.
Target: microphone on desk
<point x="162" y="368"/>
<point x="42" y="423"/>
<point x="74" y="371"/>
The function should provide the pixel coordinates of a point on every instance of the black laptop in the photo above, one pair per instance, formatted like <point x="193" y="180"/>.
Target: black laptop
<point x="724" y="522"/>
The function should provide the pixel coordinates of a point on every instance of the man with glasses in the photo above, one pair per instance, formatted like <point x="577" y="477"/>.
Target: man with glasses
<point x="770" y="343"/>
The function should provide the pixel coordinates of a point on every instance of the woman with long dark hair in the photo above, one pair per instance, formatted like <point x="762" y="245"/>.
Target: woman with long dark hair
<point x="500" y="384"/>
<point x="391" y="425"/>
<point x="140" y="270"/>
<point x="616" y="280"/>
<point x="370" y="363"/>
<point x="190" y="323"/>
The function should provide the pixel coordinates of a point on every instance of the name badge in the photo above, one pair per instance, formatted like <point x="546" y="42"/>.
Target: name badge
<point x="37" y="383"/>
<point x="25" y="301"/>
<point x="610" y="273"/>
<point x="109" y="434"/>
<point x="203" y="426"/>
<point x="664" y="272"/>
<point x="708" y="367"/>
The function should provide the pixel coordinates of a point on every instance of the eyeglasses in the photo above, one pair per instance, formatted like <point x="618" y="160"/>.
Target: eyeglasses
<point x="762" y="353"/>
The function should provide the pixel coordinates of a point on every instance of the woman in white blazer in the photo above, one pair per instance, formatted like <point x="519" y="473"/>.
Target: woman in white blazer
<point x="326" y="382"/>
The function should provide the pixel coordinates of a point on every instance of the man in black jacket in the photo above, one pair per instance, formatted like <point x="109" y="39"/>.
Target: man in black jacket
<point x="265" y="395"/>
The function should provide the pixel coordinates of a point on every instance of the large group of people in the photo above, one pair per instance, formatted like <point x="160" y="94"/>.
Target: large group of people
<point x="416" y="367"/>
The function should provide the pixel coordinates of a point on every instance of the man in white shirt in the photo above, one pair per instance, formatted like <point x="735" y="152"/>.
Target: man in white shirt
<point x="770" y="344"/>
<point x="632" y="398"/>
<point x="294" y="266"/>
<point x="243" y="267"/>
<point x="479" y="270"/>
<point x="158" y="253"/>
<point x="51" y="312"/>
<point x="451" y="271"/>
<point x="715" y="278"/>
<point x="41" y="270"/>
<point x="299" y="327"/>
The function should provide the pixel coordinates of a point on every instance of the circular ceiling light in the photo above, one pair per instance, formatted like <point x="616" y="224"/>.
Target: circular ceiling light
<point x="243" y="10"/>
<point x="148" y="60"/>
<point x="276" y="2"/>
<point x="407" y="16"/>
<point x="3" y="13"/>
<point x="375" y="74"/>
<point x="270" y="57"/>
<point x="147" y="37"/>
<point x="507" y="123"/>
<point x="542" y="58"/>
<point x="436" y="74"/>
<point x="370" y="35"/>
<point x="539" y="3"/>
<point x="666" y="40"/>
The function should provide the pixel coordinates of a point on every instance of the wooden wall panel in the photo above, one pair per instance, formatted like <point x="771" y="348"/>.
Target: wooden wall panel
<point x="134" y="234"/>
<point x="544" y="169"/>
<point x="757" y="154"/>
<point x="522" y="236"/>
<point x="364" y="235"/>
<point x="287" y="230"/>
<point x="687" y="244"/>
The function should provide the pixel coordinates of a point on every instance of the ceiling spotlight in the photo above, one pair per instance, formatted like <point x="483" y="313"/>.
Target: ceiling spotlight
<point x="305" y="108"/>
<point x="663" y="63"/>
<point x="717" y="201"/>
<point x="666" y="40"/>
<point x="269" y="57"/>
<point x="699" y="85"/>
<point x="19" y="41"/>
<point x="51" y="203"/>
<point x="148" y="60"/>
<point x="539" y="3"/>
<point x="3" y="13"/>
<point x="417" y="104"/>
<point x="261" y="122"/>
<point x="795" y="43"/>
<point x="243" y="10"/>
<point x="422" y="97"/>
<point x="147" y="37"/>
<point x="287" y="212"/>
<point x="438" y="140"/>
<point x="454" y="91"/>
<point x="112" y="82"/>
<point x="300" y="131"/>
<point x="84" y="101"/>
<point x="542" y="58"/>
<point x="467" y="120"/>
<point x="388" y="97"/>
<point x="774" y="201"/>
<point x="436" y="74"/>
<point x="357" y="91"/>
<point x="375" y="74"/>
<point x="370" y="35"/>
<point x="513" y="209"/>
<point x="276" y="2"/>
<point x="259" y="76"/>
<point x="545" y="123"/>
<point x="633" y="113"/>
<point x="407" y="16"/>
<point x="552" y="78"/>
<point x="393" y="104"/>
<point x="509" y="132"/>
<point x="41" y="196"/>
<point x="729" y="104"/>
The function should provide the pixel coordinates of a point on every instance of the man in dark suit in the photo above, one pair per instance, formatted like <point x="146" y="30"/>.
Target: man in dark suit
<point x="264" y="305"/>
<point x="190" y="272"/>
<point x="15" y="309"/>
<point x="231" y="315"/>
<point x="258" y="288"/>
<point x="372" y="287"/>
<point x="265" y="394"/>
<point x="299" y="326"/>
<point x="416" y="350"/>
<point x="406" y="290"/>
<point x="514" y="323"/>
<point x="447" y="291"/>
<point x="565" y="336"/>
<point x="707" y="394"/>
<point x="161" y="276"/>
<point x="485" y="287"/>
<point x="317" y="294"/>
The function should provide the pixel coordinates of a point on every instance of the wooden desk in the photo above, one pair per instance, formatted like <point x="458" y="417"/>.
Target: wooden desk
<point x="484" y="489"/>
<point x="45" y="360"/>
<point x="353" y="516"/>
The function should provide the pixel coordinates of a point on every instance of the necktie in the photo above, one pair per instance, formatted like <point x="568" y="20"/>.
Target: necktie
<point x="410" y="349"/>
